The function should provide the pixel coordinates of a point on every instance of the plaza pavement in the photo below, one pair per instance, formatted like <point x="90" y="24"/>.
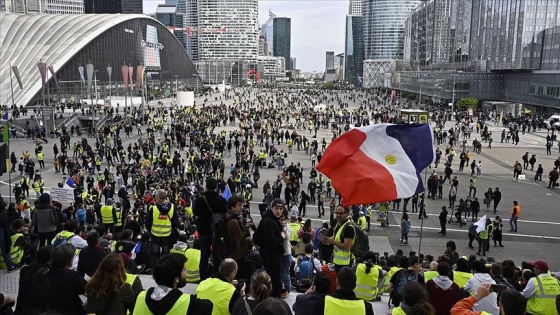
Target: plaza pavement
<point x="539" y="223"/>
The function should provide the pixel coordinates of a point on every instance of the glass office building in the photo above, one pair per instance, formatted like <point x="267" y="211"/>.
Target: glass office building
<point x="282" y="38"/>
<point x="384" y="27"/>
<point x="354" y="49"/>
<point x="69" y="42"/>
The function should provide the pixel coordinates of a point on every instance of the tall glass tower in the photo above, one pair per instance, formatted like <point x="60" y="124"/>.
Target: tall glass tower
<point x="384" y="27"/>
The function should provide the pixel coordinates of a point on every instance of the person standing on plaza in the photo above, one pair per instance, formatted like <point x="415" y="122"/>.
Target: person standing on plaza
<point x="515" y="212"/>
<point x="525" y="159"/>
<point x="405" y="229"/>
<point x="553" y="178"/>
<point x="443" y="221"/>
<point x="497" y="228"/>
<point x="270" y="237"/>
<point x="452" y="196"/>
<point x="238" y="231"/>
<point x="209" y="202"/>
<point x="472" y="186"/>
<point x="497" y="197"/>
<point x="517" y="170"/>
<point x="538" y="173"/>
<point x="343" y="239"/>
<point x="45" y="220"/>
<point x="160" y="222"/>
<point x="532" y="161"/>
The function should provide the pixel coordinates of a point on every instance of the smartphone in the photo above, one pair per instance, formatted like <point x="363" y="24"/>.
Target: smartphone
<point x="498" y="288"/>
<point x="320" y="237"/>
<point x="240" y="283"/>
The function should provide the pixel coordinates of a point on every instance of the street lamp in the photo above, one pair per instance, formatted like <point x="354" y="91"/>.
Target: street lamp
<point x="176" y="86"/>
<point x="453" y="96"/>
<point x="196" y="76"/>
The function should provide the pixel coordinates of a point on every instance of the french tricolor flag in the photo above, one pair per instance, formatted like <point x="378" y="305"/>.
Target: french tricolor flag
<point x="379" y="162"/>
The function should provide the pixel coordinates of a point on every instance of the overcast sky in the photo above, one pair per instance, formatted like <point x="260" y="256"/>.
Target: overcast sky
<point x="317" y="27"/>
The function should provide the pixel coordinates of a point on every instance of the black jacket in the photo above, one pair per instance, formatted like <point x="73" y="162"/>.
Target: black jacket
<point x="269" y="236"/>
<point x="90" y="258"/>
<point x="305" y="303"/>
<point x="342" y="295"/>
<point x="203" y="216"/>
<point x="196" y="306"/>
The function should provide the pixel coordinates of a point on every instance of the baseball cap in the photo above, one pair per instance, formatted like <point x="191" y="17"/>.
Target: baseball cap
<point x="540" y="264"/>
<point x="277" y="202"/>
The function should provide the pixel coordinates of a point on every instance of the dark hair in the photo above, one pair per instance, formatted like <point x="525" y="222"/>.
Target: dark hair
<point x="92" y="239"/>
<point x="270" y="306"/>
<point x="496" y="270"/>
<point x="369" y="260"/>
<point x="71" y="225"/>
<point x="126" y="234"/>
<point x="308" y="248"/>
<point x="403" y="262"/>
<point x="514" y="303"/>
<point x="168" y="268"/>
<point x="211" y="183"/>
<point x="17" y="224"/>
<point x="62" y="256"/>
<point x="346" y="279"/>
<point x="261" y="285"/>
<point x="444" y="269"/>
<point x="43" y="255"/>
<point x="232" y="202"/>
<point x="452" y="245"/>
<point x="249" y="242"/>
<point x="413" y="260"/>
<point x="478" y="266"/>
<point x="416" y="296"/>
<point x="322" y="282"/>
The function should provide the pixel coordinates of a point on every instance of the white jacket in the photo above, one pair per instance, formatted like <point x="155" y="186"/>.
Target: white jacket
<point x="488" y="304"/>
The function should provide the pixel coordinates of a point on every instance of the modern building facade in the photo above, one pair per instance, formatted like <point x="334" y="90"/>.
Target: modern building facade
<point x="272" y="66"/>
<point x="228" y="29"/>
<point x="147" y="50"/>
<point x="282" y="40"/>
<point x="43" y="6"/>
<point x="170" y="16"/>
<point x="355" y="7"/>
<point x="354" y="49"/>
<point x="113" y="6"/>
<point x="191" y="27"/>
<point x="384" y="27"/>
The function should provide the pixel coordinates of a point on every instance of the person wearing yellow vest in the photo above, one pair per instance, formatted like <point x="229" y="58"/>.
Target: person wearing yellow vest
<point x="515" y="212"/>
<point x="134" y="281"/>
<point x="294" y="229"/>
<point x="221" y="290"/>
<point x="368" y="277"/>
<point x="541" y="290"/>
<point x="20" y="245"/>
<point x="192" y="255"/>
<point x="68" y="235"/>
<point x="432" y="273"/>
<point x="362" y="222"/>
<point x="484" y="238"/>
<point x="108" y="215"/>
<point x="41" y="159"/>
<point x="461" y="274"/>
<point x="343" y="300"/>
<point x="160" y="222"/>
<point x="511" y="302"/>
<point x="166" y="298"/>
<point x="343" y="239"/>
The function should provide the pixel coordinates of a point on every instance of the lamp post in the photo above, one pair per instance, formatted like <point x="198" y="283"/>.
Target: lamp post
<point x="176" y="86"/>
<point x="196" y="76"/>
<point x="453" y="97"/>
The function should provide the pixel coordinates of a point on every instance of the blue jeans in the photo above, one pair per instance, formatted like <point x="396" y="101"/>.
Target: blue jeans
<point x="4" y="250"/>
<point x="285" y="267"/>
<point x="513" y="223"/>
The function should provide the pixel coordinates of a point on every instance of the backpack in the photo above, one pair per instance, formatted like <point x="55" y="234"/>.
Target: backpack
<point x="361" y="244"/>
<point x="220" y="239"/>
<point x="61" y="240"/>
<point x="306" y="238"/>
<point x="306" y="272"/>
<point x="472" y="230"/>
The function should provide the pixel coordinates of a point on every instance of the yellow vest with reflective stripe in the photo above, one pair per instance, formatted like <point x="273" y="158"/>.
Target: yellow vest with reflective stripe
<point x="119" y="217"/>
<point x="40" y="156"/>
<point x="294" y="229"/>
<point x="543" y="301"/>
<point x="161" y="226"/>
<point x="107" y="215"/>
<point x="179" y="308"/>
<point x="193" y="261"/>
<point x="218" y="292"/>
<point x="366" y="283"/>
<point x="334" y="306"/>
<point x="16" y="252"/>
<point x="341" y="257"/>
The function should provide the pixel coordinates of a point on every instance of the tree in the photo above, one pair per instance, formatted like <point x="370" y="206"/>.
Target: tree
<point x="466" y="103"/>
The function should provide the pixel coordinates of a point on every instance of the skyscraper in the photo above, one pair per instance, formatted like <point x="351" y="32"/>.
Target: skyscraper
<point x="113" y="6"/>
<point x="44" y="6"/>
<point x="169" y="15"/>
<point x="355" y="7"/>
<point x="228" y="29"/>
<point x="191" y="25"/>
<point x="384" y="27"/>
<point x="282" y="32"/>
<point x="354" y="48"/>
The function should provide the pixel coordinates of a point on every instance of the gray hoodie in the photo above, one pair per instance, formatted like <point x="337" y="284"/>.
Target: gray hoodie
<point x="443" y="282"/>
<point x="44" y="218"/>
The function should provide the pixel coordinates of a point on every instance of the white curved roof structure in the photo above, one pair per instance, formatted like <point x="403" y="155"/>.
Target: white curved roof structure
<point x="54" y="39"/>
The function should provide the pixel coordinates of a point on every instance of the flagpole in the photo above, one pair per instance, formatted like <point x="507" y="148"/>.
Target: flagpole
<point x="9" y="169"/>
<point x="422" y="213"/>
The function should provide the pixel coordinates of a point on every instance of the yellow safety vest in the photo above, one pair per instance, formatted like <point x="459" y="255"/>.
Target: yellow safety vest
<point x="543" y="301"/>
<point x="429" y="275"/>
<point x="40" y="156"/>
<point x="161" y="226"/>
<point x="193" y="261"/>
<point x="362" y="223"/>
<point x="179" y="308"/>
<point x="189" y="212"/>
<point x="341" y="257"/>
<point x="461" y="278"/>
<point x="16" y="252"/>
<point x="334" y="306"/>
<point x="397" y="311"/>
<point x="366" y="283"/>
<point x="119" y="217"/>
<point x="107" y="215"/>
<point x="294" y="229"/>
<point x="36" y="186"/>
<point x="130" y="278"/>
<point x="218" y="292"/>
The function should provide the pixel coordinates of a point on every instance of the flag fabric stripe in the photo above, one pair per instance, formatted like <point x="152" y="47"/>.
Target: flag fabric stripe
<point x="227" y="193"/>
<point x="378" y="162"/>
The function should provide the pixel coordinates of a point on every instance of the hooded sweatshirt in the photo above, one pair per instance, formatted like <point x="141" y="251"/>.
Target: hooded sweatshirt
<point x="164" y="208"/>
<point x="161" y="299"/>
<point x="488" y="304"/>
<point x="444" y="291"/>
